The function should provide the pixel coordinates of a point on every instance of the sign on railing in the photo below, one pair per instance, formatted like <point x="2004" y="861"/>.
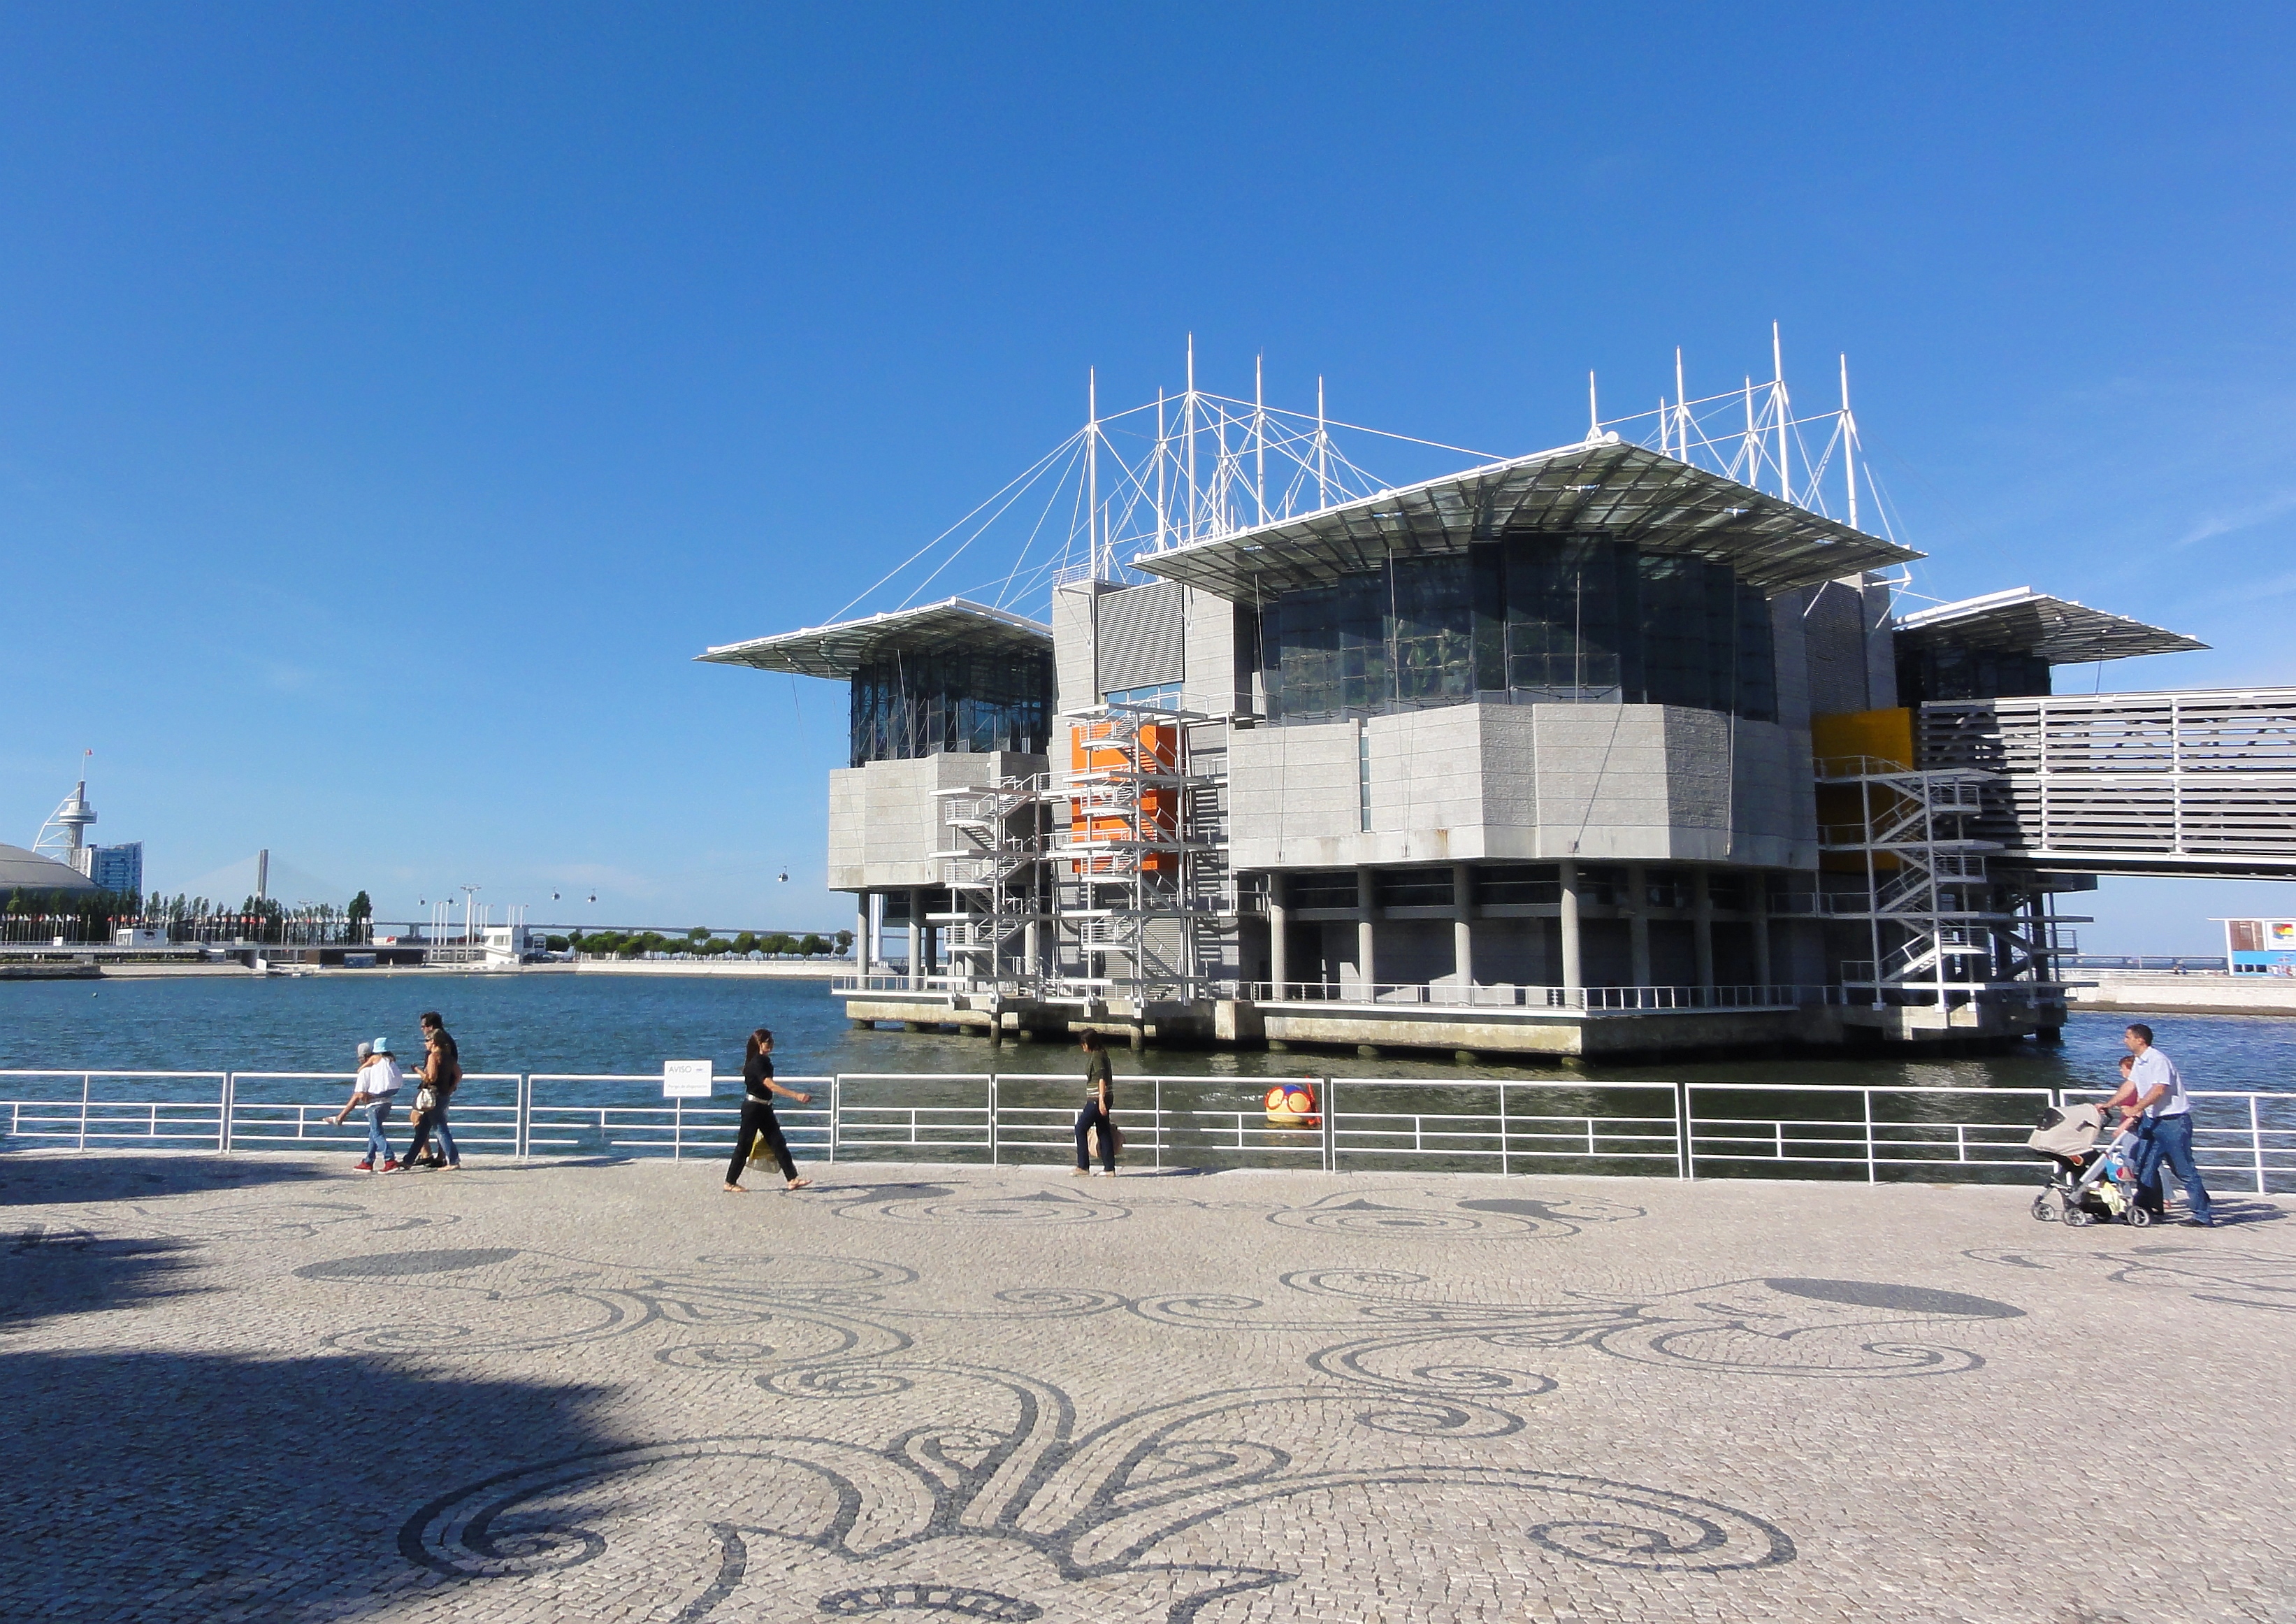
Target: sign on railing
<point x="1689" y="1130"/>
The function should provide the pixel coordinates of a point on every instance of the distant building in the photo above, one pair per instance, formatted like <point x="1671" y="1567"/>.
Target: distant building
<point x="118" y="869"/>
<point x="2260" y="947"/>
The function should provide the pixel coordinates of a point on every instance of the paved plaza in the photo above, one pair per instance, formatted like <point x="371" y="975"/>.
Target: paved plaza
<point x="257" y="1388"/>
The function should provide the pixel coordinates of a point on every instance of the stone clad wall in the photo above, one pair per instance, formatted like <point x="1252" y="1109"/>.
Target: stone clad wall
<point x="884" y="819"/>
<point x="1525" y="783"/>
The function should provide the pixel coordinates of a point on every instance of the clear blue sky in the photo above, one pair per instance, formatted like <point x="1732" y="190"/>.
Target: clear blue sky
<point x="394" y="398"/>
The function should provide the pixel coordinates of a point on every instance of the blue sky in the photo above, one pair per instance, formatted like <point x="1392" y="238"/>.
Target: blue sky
<point x="393" y="399"/>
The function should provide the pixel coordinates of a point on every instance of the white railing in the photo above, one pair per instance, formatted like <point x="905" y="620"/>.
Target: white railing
<point x="1506" y="996"/>
<point x="1682" y="1130"/>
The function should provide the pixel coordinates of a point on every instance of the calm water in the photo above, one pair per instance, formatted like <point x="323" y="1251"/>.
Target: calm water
<point x="632" y="1024"/>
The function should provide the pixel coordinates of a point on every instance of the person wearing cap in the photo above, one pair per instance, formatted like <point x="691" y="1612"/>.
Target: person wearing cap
<point x="379" y="1080"/>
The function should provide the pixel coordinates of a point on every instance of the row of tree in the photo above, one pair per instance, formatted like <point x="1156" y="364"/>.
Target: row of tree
<point x="92" y="916"/>
<point x="635" y="944"/>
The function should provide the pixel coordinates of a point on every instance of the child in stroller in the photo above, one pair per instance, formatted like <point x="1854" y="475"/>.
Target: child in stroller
<point x="2088" y="1183"/>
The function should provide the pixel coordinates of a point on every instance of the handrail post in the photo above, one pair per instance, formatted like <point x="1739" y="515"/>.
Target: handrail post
<point x="1331" y="1127"/>
<point x="1502" y="1129"/>
<point x="2256" y="1142"/>
<point x="1682" y="1120"/>
<point x="222" y="1127"/>
<point x="86" y="1081"/>
<point x="992" y="1118"/>
<point x="1871" y="1177"/>
<point x="836" y="1081"/>
<point x="676" y="1129"/>
<point x="522" y="1110"/>
<point x="1159" y="1124"/>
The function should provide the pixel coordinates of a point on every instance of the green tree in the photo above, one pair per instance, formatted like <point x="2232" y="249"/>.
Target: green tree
<point x="746" y="942"/>
<point x="812" y="945"/>
<point x="845" y="941"/>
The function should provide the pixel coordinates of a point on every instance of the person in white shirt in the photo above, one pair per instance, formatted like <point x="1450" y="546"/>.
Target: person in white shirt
<point x="2154" y="1102"/>
<point x="379" y="1082"/>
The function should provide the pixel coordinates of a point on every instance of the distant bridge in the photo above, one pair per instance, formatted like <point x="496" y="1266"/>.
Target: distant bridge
<point x="2198" y="783"/>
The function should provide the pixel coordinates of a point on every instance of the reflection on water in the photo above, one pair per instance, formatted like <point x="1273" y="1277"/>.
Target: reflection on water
<point x="627" y="1023"/>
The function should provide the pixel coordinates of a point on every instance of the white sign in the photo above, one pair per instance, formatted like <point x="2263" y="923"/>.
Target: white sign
<point x="686" y="1079"/>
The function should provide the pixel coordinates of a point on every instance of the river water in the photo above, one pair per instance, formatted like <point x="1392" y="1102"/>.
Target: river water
<point x="607" y="1024"/>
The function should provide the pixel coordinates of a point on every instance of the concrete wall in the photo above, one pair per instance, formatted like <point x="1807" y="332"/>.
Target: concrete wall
<point x="1849" y="654"/>
<point x="884" y="819"/>
<point x="1210" y="683"/>
<point x="1074" y="678"/>
<point x="1603" y="783"/>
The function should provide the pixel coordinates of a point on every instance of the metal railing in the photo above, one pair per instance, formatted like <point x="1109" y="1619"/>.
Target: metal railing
<point x="1506" y="996"/>
<point x="1680" y="1130"/>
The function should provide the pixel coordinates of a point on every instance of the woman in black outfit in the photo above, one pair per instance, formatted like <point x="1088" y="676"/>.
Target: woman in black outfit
<point x="758" y="1119"/>
<point x="1099" y="1100"/>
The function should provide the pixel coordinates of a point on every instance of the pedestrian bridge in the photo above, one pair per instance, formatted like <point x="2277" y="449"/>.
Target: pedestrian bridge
<point x="2197" y="783"/>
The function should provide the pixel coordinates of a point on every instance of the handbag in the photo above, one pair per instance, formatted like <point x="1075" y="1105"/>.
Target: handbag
<point x="425" y="1100"/>
<point x="759" y="1154"/>
<point x="1116" y="1137"/>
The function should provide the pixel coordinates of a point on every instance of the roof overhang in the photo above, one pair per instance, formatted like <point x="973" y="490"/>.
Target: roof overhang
<point x="1602" y="487"/>
<point x="837" y="651"/>
<point x="2023" y="621"/>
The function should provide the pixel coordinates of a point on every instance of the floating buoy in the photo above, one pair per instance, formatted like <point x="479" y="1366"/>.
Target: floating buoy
<point x="1293" y="1105"/>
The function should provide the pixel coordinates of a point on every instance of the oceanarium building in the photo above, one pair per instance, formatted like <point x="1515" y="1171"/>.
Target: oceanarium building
<point x="1594" y="750"/>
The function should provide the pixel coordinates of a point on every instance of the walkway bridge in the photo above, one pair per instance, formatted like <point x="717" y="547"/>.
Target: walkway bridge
<point x="2198" y="783"/>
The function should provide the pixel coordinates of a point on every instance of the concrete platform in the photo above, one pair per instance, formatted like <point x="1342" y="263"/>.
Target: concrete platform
<point x="268" y="1388"/>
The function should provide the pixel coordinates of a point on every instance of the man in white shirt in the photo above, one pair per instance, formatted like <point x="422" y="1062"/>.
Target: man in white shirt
<point x="378" y="1083"/>
<point x="2153" y="1100"/>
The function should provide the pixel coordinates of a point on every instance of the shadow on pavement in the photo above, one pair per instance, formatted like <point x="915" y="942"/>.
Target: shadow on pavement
<point x="28" y="1178"/>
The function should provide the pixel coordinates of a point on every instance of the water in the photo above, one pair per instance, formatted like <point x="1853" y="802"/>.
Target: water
<point x="606" y="1023"/>
<point x="593" y="1025"/>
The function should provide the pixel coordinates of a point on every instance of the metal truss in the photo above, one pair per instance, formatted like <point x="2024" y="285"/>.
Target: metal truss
<point x="1942" y="928"/>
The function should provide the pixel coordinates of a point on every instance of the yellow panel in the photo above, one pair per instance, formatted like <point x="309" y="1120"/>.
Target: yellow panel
<point x="1887" y="735"/>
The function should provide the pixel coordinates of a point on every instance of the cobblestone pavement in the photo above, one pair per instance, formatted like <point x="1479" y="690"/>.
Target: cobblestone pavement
<point x="276" y="1389"/>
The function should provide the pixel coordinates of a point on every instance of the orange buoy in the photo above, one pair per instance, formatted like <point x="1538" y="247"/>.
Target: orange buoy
<point x="1293" y="1105"/>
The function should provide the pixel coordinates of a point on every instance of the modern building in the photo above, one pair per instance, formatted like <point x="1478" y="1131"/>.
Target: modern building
<point x="33" y="871"/>
<point x="1594" y="751"/>
<point x="118" y="869"/>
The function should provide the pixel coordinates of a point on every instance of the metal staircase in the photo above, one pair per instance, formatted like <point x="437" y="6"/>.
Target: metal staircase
<point x="1942" y="928"/>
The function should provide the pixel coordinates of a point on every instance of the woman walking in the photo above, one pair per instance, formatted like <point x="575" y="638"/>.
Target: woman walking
<point x="758" y="1118"/>
<point x="1099" y="1101"/>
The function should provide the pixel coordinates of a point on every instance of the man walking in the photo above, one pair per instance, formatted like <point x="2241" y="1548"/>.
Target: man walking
<point x="441" y="1070"/>
<point x="2155" y="1102"/>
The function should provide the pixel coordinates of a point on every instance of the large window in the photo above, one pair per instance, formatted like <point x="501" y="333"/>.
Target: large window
<point x="1533" y="618"/>
<point x="907" y="705"/>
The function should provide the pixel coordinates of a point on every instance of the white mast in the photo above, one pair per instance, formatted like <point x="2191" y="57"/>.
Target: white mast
<point x="1260" y="432"/>
<point x="1092" y="466"/>
<point x="1753" y="445"/>
<point x="1681" y="409"/>
<point x="1188" y="427"/>
<point x="1159" y="470"/>
<point x="1778" y="405"/>
<point x="1849" y="444"/>
<point x="1323" y="465"/>
<point x="1594" y="421"/>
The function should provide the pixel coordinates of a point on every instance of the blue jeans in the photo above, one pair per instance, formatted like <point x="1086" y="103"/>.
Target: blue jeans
<point x="378" y="1148"/>
<point x="2169" y="1139"/>
<point x="434" y="1121"/>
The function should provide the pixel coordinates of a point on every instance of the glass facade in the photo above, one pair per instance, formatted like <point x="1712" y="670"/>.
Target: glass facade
<point x="1533" y="618"/>
<point x="907" y="705"/>
<point x="1948" y="670"/>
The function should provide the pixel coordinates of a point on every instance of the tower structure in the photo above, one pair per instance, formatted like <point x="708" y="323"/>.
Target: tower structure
<point x="64" y="836"/>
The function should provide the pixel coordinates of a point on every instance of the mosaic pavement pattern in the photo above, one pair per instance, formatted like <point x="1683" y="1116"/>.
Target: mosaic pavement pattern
<point x="272" y="1390"/>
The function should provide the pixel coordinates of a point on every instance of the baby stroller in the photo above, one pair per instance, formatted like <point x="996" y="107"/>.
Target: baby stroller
<point x="2087" y="1184"/>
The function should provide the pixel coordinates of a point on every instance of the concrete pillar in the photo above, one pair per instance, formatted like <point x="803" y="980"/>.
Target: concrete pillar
<point x="1030" y="964"/>
<point x="1462" y="929"/>
<point x="1366" y="904"/>
<point x="1279" y="931"/>
<point x="1758" y="898"/>
<point x="1702" y="916"/>
<point x="916" y="936"/>
<point x="861" y="934"/>
<point x="1573" y="977"/>
<point x="1638" y="924"/>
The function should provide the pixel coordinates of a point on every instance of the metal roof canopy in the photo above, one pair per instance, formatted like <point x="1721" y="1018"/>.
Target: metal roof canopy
<point x="1603" y="488"/>
<point x="2022" y="620"/>
<point x="837" y="651"/>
